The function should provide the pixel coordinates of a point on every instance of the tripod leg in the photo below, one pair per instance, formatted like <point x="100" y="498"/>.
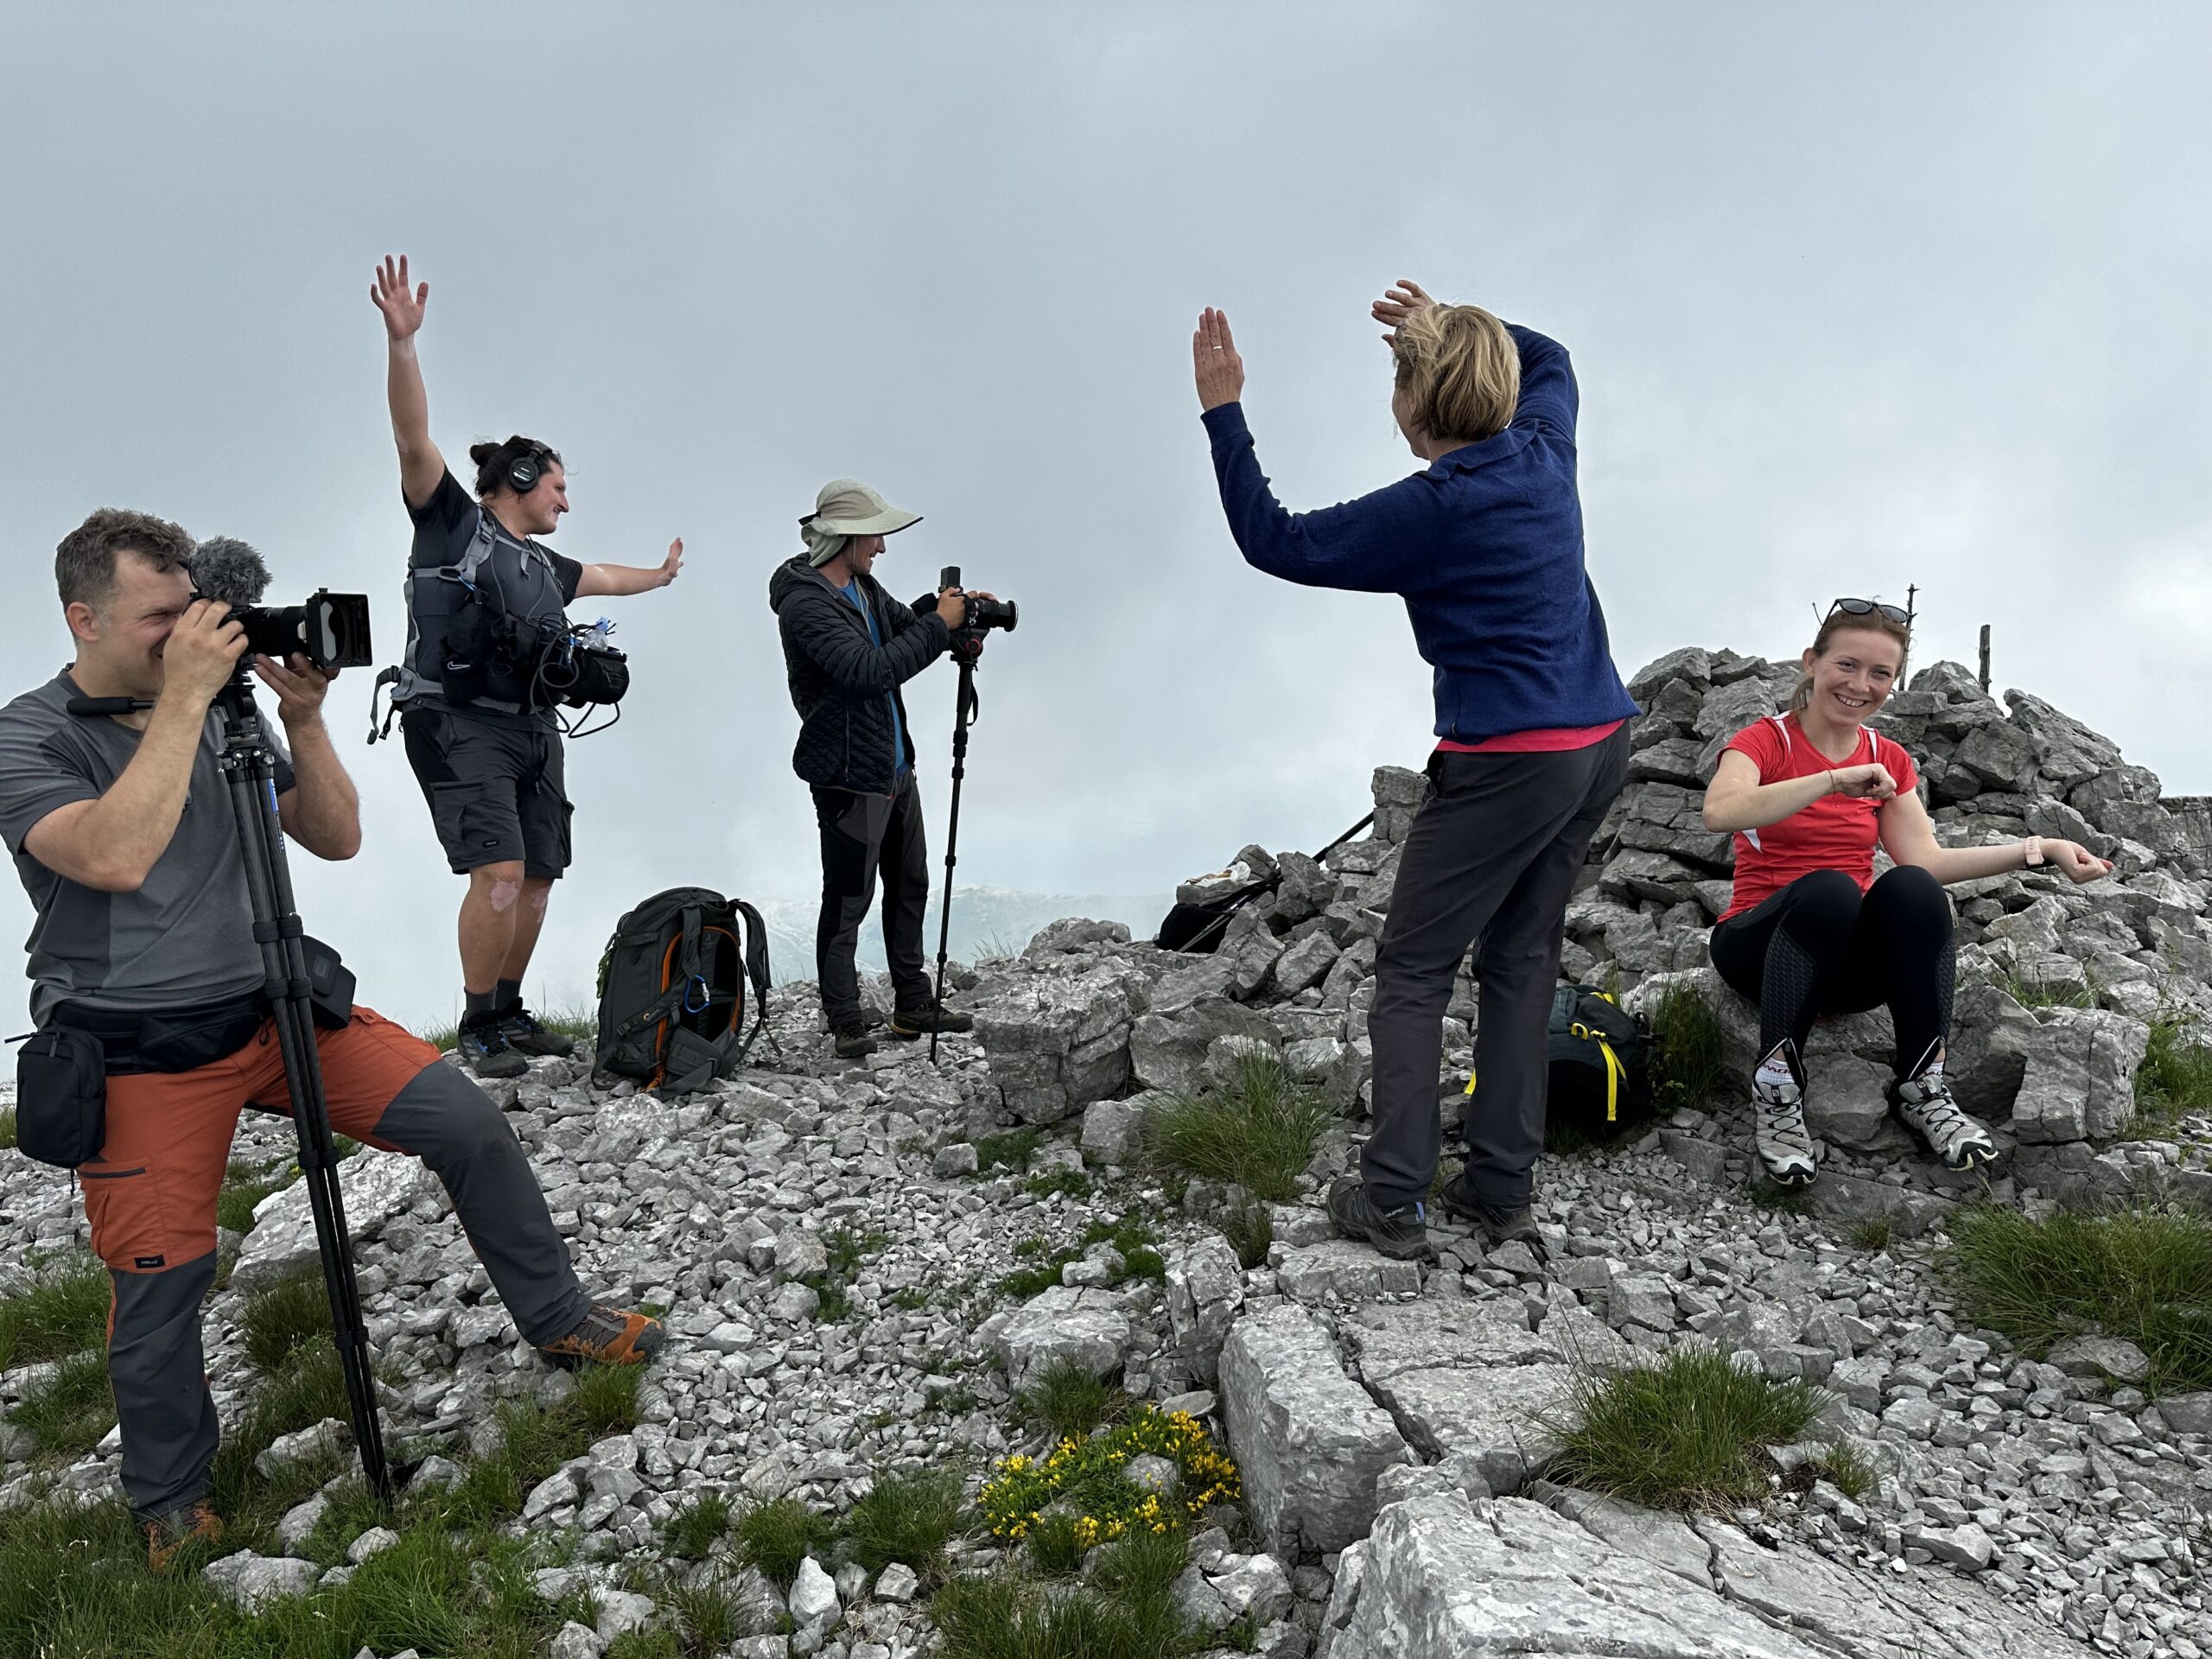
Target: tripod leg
<point x="966" y="698"/>
<point x="249" y="769"/>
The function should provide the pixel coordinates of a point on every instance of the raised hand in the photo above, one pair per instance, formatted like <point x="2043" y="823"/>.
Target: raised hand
<point x="1403" y="298"/>
<point x="673" y="565"/>
<point x="402" y="309"/>
<point x="1219" y="370"/>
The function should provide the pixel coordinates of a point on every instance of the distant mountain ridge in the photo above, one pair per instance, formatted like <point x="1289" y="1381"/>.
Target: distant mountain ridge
<point x="985" y="921"/>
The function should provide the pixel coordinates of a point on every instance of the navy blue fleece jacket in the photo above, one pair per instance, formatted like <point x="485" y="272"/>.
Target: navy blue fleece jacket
<point x="1485" y="547"/>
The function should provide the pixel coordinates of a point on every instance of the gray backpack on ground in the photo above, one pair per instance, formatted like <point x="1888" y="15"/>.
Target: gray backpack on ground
<point x="672" y="987"/>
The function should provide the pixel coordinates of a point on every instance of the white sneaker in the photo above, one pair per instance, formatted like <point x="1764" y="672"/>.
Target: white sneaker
<point x="1784" y="1145"/>
<point x="1925" y="1104"/>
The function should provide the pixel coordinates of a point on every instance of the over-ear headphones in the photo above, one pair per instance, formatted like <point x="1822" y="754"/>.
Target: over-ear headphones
<point x="524" y="471"/>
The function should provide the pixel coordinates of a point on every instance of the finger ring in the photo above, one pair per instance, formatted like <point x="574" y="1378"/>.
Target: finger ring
<point x="1217" y="348"/>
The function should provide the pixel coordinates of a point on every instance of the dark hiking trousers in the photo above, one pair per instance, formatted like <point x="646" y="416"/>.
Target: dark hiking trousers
<point x="1820" y="946"/>
<point x="1490" y="862"/>
<point x="861" y="835"/>
<point x="151" y="1197"/>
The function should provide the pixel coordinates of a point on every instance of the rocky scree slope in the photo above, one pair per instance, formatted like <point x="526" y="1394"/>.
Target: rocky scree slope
<point x="1385" y="1415"/>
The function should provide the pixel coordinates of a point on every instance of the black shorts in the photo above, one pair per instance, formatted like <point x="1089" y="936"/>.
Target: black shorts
<point x="495" y="790"/>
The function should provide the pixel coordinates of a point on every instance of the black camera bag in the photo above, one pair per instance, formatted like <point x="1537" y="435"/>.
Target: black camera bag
<point x="61" y="1096"/>
<point x="1197" y="928"/>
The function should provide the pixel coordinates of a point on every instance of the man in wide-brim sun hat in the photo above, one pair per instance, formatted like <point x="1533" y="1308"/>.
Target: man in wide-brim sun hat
<point x="848" y="647"/>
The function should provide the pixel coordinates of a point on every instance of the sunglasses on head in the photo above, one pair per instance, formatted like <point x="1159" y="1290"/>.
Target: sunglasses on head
<point x="1867" y="607"/>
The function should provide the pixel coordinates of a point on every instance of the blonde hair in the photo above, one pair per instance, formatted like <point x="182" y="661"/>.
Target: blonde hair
<point x="1845" y="622"/>
<point x="1460" y="369"/>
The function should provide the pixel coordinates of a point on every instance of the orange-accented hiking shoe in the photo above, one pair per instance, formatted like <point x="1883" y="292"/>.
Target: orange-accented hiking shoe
<point x="610" y="1337"/>
<point x="168" y="1533"/>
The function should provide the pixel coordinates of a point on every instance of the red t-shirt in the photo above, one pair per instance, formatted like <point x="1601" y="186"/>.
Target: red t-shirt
<point x="1836" y="832"/>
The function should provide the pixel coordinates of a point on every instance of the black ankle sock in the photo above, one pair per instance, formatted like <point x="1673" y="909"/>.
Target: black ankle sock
<point x="507" y="993"/>
<point x="479" y="1003"/>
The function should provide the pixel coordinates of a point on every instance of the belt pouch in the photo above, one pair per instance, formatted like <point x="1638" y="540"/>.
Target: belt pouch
<point x="330" y="986"/>
<point x="61" y="1096"/>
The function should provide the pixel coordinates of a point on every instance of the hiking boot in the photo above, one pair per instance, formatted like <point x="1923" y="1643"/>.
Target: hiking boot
<point x="1778" y="1131"/>
<point x="1925" y="1106"/>
<point x="609" y="1336"/>
<point x="172" y="1531"/>
<point x="523" y="1030"/>
<point x="484" y="1048"/>
<point x="1497" y="1226"/>
<point x="1401" y="1233"/>
<point x="852" y="1042"/>
<point x="907" y="1024"/>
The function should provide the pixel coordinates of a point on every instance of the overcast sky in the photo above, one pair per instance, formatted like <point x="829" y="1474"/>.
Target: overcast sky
<point x="1858" y="297"/>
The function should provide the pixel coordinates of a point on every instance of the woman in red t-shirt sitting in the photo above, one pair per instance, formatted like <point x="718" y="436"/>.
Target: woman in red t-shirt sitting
<point x="1809" y="931"/>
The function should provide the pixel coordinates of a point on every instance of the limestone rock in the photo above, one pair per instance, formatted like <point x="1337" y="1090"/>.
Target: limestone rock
<point x="1439" y="1575"/>
<point x="2079" y="1081"/>
<point x="252" y="1581"/>
<point x="378" y="1186"/>
<point x="1087" y="1327"/>
<point x="1308" y="1440"/>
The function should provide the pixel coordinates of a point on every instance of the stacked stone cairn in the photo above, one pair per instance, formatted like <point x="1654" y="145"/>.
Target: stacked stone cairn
<point x="1391" y="1420"/>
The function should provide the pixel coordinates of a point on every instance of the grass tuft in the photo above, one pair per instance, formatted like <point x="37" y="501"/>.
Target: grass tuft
<point x="68" y="1412"/>
<point x="243" y="1186"/>
<point x="1258" y="1132"/>
<point x="1688" y="1061"/>
<point x="2140" y="1274"/>
<point x="8" y="1129"/>
<point x="907" y="1518"/>
<point x="1686" y="1431"/>
<point x="1250" y="1231"/>
<point x="777" y="1534"/>
<point x="2174" y="1081"/>
<point x="279" y="1321"/>
<point x="2033" y="991"/>
<point x="1873" y="1235"/>
<point x="1845" y="1468"/>
<point x="64" y="1312"/>
<point x="1059" y="1183"/>
<point x="694" y="1529"/>
<point x="1127" y="1611"/>
<point x="1014" y="1149"/>
<point x="1069" y="1401"/>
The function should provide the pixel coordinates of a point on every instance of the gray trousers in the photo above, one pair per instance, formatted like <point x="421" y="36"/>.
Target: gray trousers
<point x="1490" y="862"/>
<point x="863" y="836"/>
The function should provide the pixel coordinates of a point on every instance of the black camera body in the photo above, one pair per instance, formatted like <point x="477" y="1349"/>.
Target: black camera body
<point x="984" y="614"/>
<point x="331" y="630"/>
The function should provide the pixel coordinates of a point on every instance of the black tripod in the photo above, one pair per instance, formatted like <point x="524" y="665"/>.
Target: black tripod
<point x="965" y="707"/>
<point x="249" y="766"/>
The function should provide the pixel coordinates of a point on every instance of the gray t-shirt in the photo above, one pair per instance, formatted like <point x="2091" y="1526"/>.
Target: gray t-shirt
<point x="186" y="938"/>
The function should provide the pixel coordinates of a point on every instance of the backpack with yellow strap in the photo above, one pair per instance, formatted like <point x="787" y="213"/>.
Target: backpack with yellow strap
<point x="1599" y="1055"/>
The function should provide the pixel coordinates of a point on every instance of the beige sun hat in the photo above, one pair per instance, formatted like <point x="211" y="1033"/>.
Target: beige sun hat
<point x="846" y="507"/>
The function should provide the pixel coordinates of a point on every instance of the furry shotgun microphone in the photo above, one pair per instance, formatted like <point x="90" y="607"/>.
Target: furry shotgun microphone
<point x="228" y="568"/>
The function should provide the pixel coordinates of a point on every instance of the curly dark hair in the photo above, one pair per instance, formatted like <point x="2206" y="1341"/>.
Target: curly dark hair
<point x="84" y="563"/>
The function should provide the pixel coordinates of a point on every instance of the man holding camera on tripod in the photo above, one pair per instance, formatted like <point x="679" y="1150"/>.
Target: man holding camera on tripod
<point x="847" y="648"/>
<point x="481" y="733"/>
<point x="146" y="972"/>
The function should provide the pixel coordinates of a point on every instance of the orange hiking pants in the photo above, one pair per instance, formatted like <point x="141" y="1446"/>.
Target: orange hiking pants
<point x="151" y="1197"/>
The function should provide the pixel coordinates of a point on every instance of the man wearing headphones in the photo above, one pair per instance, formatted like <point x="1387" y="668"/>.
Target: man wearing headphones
<point x="481" y="738"/>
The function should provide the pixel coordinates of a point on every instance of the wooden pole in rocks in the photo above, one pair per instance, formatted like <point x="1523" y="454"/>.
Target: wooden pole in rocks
<point x="1985" y="660"/>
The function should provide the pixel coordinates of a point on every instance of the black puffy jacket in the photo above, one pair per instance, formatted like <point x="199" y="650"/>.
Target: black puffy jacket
<point x="843" y="684"/>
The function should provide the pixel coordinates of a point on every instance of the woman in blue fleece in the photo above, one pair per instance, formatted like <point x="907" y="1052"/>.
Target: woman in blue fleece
<point x="1485" y="545"/>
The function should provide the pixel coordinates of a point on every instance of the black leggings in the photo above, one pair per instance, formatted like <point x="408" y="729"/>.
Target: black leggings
<point x="1820" y="946"/>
